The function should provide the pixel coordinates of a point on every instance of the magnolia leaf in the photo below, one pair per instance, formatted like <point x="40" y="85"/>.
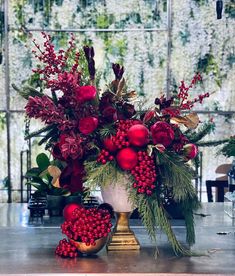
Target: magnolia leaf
<point x="33" y="172"/>
<point x="56" y="183"/>
<point x="131" y="94"/>
<point x="114" y="85"/>
<point x="121" y="85"/>
<point x="190" y="121"/>
<point x="55" y="172"/>
<point x="149" y="115"/>
<point x="42" y="161"/>
<point x="158" y="147"/>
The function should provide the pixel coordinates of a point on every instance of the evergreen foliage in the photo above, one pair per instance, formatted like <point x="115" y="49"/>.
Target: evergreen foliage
<point x="176" y="176"/>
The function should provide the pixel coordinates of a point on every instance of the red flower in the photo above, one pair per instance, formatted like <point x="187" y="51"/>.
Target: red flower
<point x="69" y="146"/>
<point x="85" y="93"/>
<point x="190" y="151"/>
<point x="162" y="133"/>
<point x="87" y="125"/>
<point x="45" y="109"/>
<point x="71" y="177"/>
<point x="110" y="113"/>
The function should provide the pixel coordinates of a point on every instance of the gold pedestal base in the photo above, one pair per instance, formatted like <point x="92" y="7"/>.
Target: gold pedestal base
<point x="122" y="237"/>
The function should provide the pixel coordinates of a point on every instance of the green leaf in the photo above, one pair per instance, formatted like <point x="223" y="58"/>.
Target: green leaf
<point x="42" y="161"/>
<point x="33" y="172"/>
<point x="42" y="187"/>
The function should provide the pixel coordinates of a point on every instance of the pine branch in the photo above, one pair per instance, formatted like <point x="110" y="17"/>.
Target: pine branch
<point x="107" y="131"/>
<point x="211" y="143"/>
<point x="176" y="174"/>
<point x="37" y="132"/>
<point x="187" y="207"/>
<point x="166" y="226"/>
<point x="146" y="213"/>
<point x="101" y="175"/>
<point x="54" y="97"/>
<point x="206" y="129"/>
<point x="228" y="149"/>
<point x="52" y="134"/>
<point x="27" y="91"/>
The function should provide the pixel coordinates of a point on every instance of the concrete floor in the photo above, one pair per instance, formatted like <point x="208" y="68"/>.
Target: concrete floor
<point x="28" y="248"/>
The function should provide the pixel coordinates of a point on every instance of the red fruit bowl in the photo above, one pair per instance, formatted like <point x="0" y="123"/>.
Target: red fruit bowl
<point x="90" y="249"/>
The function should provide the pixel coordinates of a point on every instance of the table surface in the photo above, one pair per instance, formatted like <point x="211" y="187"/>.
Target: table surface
<point x="28" y="247"/>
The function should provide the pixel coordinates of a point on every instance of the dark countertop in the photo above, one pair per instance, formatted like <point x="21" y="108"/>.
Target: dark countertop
<point x="29" y="248"/>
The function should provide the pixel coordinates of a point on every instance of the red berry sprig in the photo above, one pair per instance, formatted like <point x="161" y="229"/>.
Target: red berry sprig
<point x="87" y="225"/>
<point x="144" y="173"/>
<point x="104" y="156"/>
<point x="66" y="249"/>
<point x="120" y="140"/>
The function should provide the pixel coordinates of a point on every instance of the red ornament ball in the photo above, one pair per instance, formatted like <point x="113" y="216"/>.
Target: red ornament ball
<point x="127" y="158"/>
<point x="138" y="135"/>
<point x="68" y="210"/>
<point x="109" y="144"/>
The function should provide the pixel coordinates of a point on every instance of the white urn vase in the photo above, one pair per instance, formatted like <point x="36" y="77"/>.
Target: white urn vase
<point x="116" y="195"/>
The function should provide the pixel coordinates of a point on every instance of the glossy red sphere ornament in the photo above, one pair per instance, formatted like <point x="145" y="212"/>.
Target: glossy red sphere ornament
<point x="109" y="144"/>
<point x="68" y="210"/>
<point x="138" y="135"/>
<point x="127" y="158"/>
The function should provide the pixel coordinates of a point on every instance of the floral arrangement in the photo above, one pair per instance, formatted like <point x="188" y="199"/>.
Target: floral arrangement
<point x="99" y="135"/>
<point x="83" y="225"/>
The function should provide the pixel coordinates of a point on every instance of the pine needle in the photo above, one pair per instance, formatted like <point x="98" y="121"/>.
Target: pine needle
<point x="166" y="226"/>
<point x="36" y="133"/>
<point x="99" y="174"/>
<point x="176" y="174"/>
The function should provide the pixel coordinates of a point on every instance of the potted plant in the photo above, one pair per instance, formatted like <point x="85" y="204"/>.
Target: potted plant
<point x="45" y="178"/>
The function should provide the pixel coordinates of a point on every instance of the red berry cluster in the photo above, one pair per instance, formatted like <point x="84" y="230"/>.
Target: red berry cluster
<point x="104" y="156"/>
<point x="120" y="140"/>
<point x="87" y="225"/>
<point x="66" y="249"/>
<point x="54" y="63"/>
<point x="144" y="173"/>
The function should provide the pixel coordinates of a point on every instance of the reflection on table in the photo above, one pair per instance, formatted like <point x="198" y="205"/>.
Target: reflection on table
<point x="29" y="247"/>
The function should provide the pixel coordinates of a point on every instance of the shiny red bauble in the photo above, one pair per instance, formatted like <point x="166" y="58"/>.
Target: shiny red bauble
<point x="68" y="210"/>
<point x="127" y="158"/>
<point x="109" y="144"/>
<point x="138" y="135"/>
